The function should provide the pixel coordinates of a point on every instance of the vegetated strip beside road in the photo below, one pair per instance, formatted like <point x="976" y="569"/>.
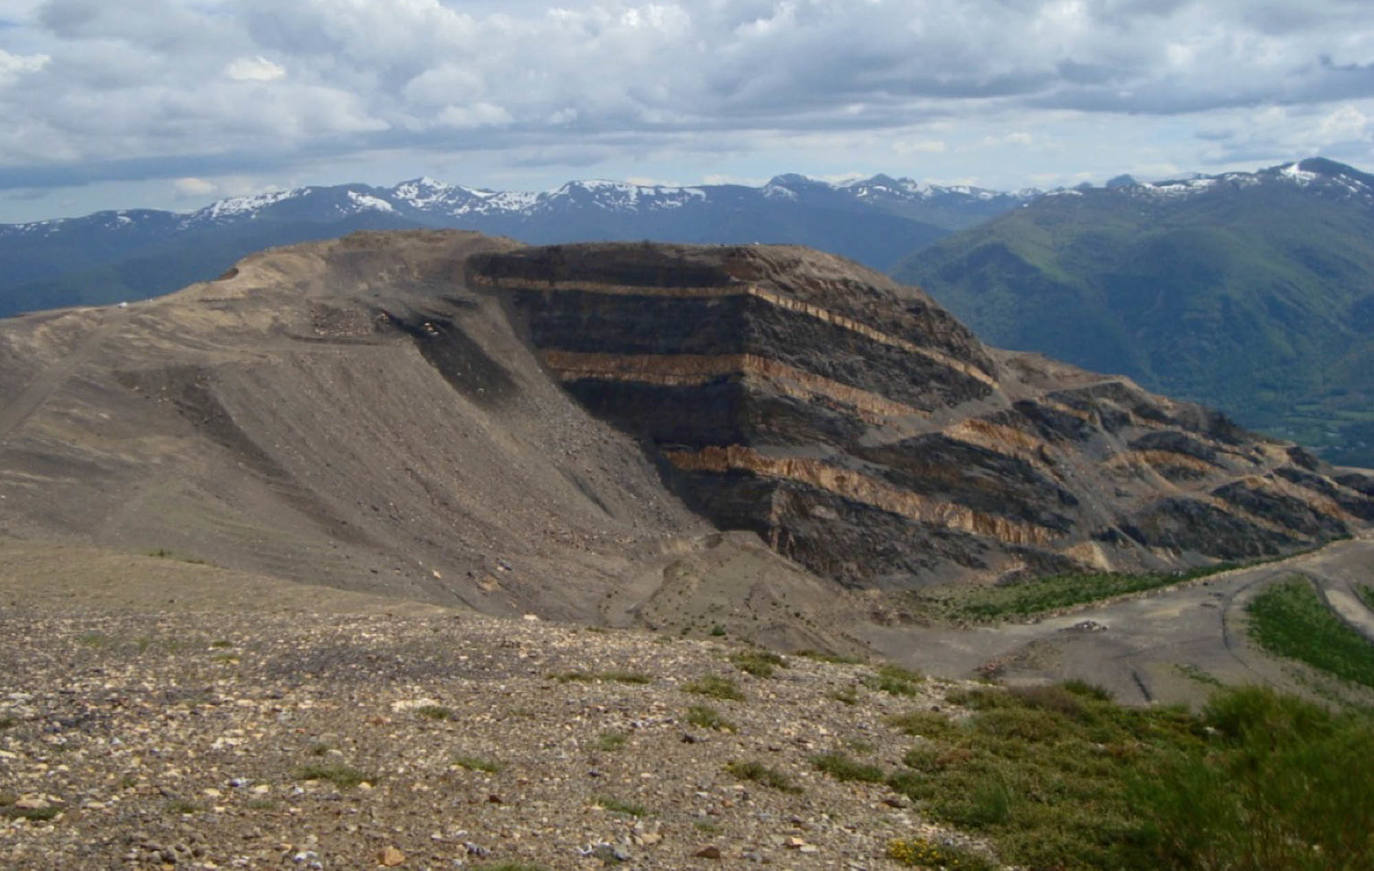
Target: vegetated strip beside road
<point x="1366" y="594"/>
<point x="1290" y="619"/>
<point x="1039" y="595"/>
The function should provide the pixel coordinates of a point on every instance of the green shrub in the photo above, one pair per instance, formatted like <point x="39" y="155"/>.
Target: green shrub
<point x="610" y="741"/>
<point x="924" y="853"/>
<point x="1284" y="784"/>
<point x="435" y="712"/>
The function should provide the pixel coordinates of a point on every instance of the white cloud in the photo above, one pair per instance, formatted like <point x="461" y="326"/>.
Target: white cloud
<point x="475" y="115"/>
<point x="254" y="69"/>
<point x="12" y="66"/>
<point x="1039" y="86"/>
<point x="919" y="146"/>
<point x="194" y="187"/>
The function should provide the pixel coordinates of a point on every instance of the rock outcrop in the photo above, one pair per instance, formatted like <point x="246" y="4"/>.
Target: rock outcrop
<point x="862" y="431"/>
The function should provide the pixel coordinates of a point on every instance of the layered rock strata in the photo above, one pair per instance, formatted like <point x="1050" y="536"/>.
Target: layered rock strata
<point x="861" y="430"/>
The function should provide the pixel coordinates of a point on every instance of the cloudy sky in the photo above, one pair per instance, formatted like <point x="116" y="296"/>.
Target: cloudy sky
<point x="173" y="103"/>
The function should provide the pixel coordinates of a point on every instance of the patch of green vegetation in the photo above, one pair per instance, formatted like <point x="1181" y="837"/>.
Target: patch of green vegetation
<point x="575" y="676"/>
<point x="925" y="853"/>
<point x="164" y="553"/>
<point x="716" y="687"/>
<point x="618" y="806"/>
<point x="95" y="639"/>
<point x="1060" y="777"/>
<point x="842" y="767"/>
<point x="7" y="723"/>
<point x="759" y="663"/>
<point x="1037" y="595"/>
<point x="435" y="712"/>
<point x="757" y="772"/>
<point x="834" y="658"/>
<point x="707" y="717"/>
<point x="718" y="631"/>
<point x="1194" y="673"/>
<point x="477" y="763"/>
<point x="928" y="724"/>
<point x="847" y="696"/>
<point x="894" y="679"/>
<point x="611" y="741"/>
<point x="261" y="804"/>
<point x="181" y="806"/>
<point x="221" y="643"/>
<point x="340" y="775"/>
<point x="36" y="814"/>
<point x="1366" y="594"/>
<point x="1289" y="619"/>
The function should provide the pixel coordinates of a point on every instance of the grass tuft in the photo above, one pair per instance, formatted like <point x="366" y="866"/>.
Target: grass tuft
<point x="757" y="772"/>
<point x="435" y="712"/>
<point x="841" y="767"/>
<point x="715" y="686"/>
<point x="894" y="679"/>
<point x="707" y="717"/>
<point x="477" y="763"/>
<point x="618" y="806"/>
<point x="340" y="775"/>
<point x="614" y="676"/>
<point x="834" y="658"/>
<point x="759" y="663"/>
<point x="611" y="741"/>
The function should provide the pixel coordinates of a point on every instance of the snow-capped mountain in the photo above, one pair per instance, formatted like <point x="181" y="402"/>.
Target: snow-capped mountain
<point x="1317" y="175"/>
<point x="135" y="253"/>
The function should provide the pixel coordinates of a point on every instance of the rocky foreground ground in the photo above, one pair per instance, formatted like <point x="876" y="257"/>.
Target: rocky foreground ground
<point x="301" y="740"/>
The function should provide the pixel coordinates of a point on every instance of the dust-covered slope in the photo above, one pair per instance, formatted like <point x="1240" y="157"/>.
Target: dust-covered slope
<point x="341" y="413"/>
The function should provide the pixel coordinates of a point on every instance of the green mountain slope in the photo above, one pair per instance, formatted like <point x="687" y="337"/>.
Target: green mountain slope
<point x="1253" y="292"/>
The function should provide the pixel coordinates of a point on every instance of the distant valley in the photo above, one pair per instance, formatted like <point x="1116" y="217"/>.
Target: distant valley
<point x="1251" y="292"/>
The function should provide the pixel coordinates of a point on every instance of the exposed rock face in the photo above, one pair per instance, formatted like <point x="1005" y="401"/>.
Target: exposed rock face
<point x="864" y="432"/>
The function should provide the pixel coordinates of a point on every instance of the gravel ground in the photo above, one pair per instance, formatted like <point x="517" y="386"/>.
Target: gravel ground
<point x="189" y="740"/>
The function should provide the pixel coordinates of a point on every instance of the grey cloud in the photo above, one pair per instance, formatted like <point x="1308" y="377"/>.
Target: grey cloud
<point x="139" y="87"/>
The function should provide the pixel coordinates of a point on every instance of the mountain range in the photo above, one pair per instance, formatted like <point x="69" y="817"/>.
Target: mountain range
<point x="120" y="255"/>
<point x="1252" y="292"/>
